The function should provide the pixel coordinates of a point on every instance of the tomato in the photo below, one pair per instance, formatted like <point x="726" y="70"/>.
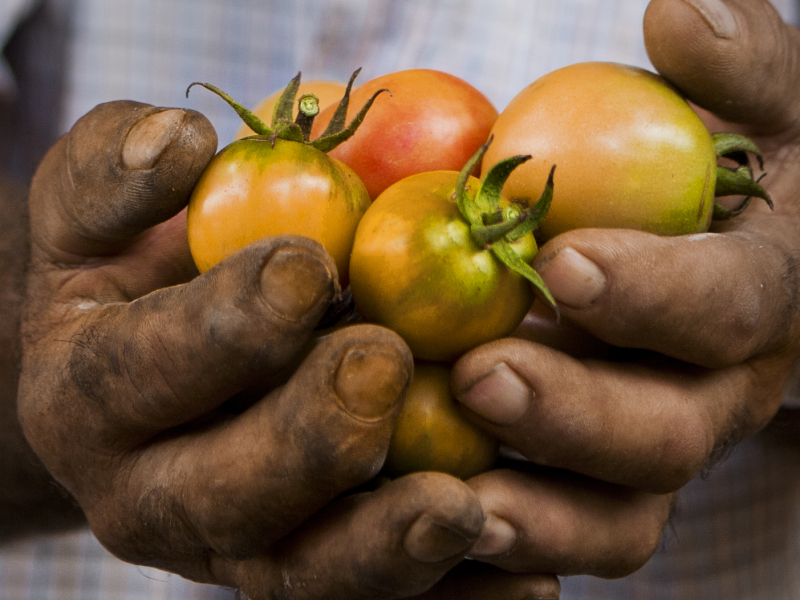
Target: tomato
<point x="416" y="269"/>
<point x="631" y="152"/>
<point x="431" y="121"/>
<point x="278" y="182"/>
<point x="328" y="92"/>
<point x="431" y="435"/>
<point x="251" y="190"/>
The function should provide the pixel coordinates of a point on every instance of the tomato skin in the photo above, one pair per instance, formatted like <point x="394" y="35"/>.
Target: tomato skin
<point x="416" y="270"/>
<point x="327" y="92"/>
<point x="430" y="434"/>
<point x="432" y="121"/>
<point x="630" y="152"/>
<point x="251" y="190"/>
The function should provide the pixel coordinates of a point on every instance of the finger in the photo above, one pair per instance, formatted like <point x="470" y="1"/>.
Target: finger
<point x="709" y="299"/>
<point x="733" y="57"/>
<point x="392" y="543"/>
<point x="138" y="368"/>
<point x="474" y="580"/>
<point x="540" y="325"/>
<point x="652" y="424"/>
<point x="123" y="168"/>
<point x="244" y="482"/>
<point x="553" y="521"/>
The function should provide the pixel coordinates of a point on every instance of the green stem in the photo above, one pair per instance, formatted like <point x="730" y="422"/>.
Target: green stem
<point x="308" y="109"/>
<point x="328" y="143"/>
<point x="495" y="229"/>
<point x="339" y="118"/>
<point x="466" y="206"/>
<point x="284" y="128"/>
<point x="485" y="235"/>
<point x="741" y="183"/>
<point x="734" y="146"/>
<point x="537" y="213"/>
<point x="488" y="196"/>
<point x="282" y="113"/>
<point x="250" y="119"/>
<point x="509" y="257"/>
<point x="737" y="181"/>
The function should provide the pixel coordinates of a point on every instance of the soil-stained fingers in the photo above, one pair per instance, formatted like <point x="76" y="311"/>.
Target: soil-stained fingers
<point x="650" y="424"/>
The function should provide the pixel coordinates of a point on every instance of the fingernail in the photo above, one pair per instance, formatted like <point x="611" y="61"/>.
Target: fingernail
<point x="148" y="139"/>
<point x="718" y="16"/>
<point x="429" y="542"/>
<point x="498" y="537"/>
<point x="573" y="279"/>
<point x="294" y="282"/>
<point x="501" y="397"/>
<point x="369" y="382"/>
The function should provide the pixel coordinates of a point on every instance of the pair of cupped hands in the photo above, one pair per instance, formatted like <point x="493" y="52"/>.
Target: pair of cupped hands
<point x="130" y="359"/>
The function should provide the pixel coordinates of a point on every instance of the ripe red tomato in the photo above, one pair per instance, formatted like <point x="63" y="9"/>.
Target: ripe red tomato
<point x="631" y="153"/>
<point x="431" y="435"/>
<point x="416" y="269"/>
<point x="431" y="121"/>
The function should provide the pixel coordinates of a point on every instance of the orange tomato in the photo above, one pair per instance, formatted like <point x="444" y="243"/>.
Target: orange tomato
<point x="431" y="435"/>
<point x="631" y="152"/>
<point x="327" y="92"/>
<point x="252" y="190"/>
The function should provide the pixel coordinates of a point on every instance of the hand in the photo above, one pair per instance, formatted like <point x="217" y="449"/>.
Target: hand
<point x="713" y="319"/>
<point x="29" y="502"/>
<point x="150" y="392"/>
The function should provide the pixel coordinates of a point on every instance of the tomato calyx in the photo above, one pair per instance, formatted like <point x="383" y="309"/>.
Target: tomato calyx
<point x="737" y="180"/>
<point x="496" y="228"/>
<point x="299" y="130"/>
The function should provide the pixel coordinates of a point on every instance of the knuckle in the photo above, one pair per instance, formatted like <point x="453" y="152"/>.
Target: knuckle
<point x="761" y="314"/>
<point x="224" y="328"/>
<point x="151" y="530"/>
<point x="119" y="533"/>
<point x="743" y="327"/>
<point x="685" y="448"/>
<point x="640" y="545"/>
<point x="635" y="540"/>
<point x="238" y="543"/>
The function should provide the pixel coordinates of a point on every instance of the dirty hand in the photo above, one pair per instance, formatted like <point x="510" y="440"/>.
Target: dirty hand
<point x="711" y="322"/>
<point x="175" y="409"/>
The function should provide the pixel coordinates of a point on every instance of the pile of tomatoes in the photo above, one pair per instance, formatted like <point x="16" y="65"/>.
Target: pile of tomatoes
<point x="433" y="227"/>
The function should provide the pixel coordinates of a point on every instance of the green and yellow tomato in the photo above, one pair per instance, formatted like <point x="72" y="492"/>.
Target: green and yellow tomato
<point x="631" y="152"/>
<point x="430" y="433"/>
<point x="416" y="269"/>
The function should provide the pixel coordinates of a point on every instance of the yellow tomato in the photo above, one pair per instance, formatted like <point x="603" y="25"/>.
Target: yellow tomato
<point x="431" y="435"/>
<point x="327" y="92"/>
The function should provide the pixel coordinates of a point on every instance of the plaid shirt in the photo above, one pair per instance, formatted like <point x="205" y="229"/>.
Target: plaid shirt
<point x="737" y="531"/>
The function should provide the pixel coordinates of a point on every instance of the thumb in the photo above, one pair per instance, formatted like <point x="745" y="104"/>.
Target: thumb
<point x="123" y="168"/>
<point x="735" y="58"/>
